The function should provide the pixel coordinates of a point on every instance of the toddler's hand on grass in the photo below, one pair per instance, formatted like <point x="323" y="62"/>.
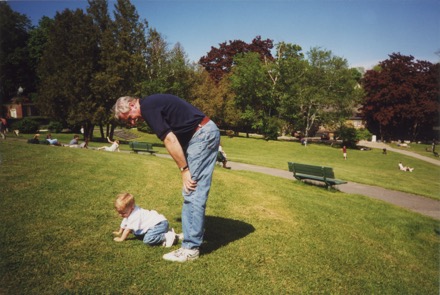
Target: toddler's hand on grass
<point x="116" y="233"/>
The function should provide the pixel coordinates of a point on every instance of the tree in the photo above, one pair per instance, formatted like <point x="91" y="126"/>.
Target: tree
<point x="327" y="91"/>
<point x="105" y="81"/>
<point x="157" y="61"/>
<point x="131" y="49"/>
<point x="402" y="98"/>
<point x="15" y="65"/>
<point x="122" y="58"/>
<point x="288" y="76"/>
<point x="66" y="68"/>
<point x="219" y="61"/>
<point x="215" y="99"/>
<point x="38" y="38"/>
<point x="180" y="73"/>
<point x="253" y="93"/>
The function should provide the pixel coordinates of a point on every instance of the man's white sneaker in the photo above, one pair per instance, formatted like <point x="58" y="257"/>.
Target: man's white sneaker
<point x="182" y="255"/>
<point x="170" y="239"/>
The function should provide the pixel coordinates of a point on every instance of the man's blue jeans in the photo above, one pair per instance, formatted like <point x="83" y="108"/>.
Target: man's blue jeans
<point x="201" y="155"/>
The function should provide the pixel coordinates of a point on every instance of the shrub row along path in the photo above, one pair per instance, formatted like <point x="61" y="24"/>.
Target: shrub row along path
<point x="419" y="204"/>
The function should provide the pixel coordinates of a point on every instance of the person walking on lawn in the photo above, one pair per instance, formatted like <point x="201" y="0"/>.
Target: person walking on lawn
<point x="192" y="140"/>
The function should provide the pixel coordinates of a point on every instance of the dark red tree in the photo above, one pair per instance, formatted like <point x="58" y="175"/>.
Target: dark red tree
<point x="219" y="61"/>
<point x="402" y="98"/>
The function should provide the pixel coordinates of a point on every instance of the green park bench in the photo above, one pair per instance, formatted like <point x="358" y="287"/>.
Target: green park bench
<point x="315" y="173"/>
<point x="142" y="147"/>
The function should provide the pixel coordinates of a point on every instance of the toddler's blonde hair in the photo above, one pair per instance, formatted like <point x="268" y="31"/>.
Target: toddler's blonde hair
<point x="124" y="201"/>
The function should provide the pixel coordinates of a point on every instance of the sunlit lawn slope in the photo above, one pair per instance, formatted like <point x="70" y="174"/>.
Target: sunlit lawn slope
<point x="264" y="235"/>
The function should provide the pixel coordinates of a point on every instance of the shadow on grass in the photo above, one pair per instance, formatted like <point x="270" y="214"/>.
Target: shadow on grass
<point x="221" y="231"/>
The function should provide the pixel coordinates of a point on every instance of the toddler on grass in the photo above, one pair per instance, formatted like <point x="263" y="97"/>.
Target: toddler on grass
<point x="148" y="225"/>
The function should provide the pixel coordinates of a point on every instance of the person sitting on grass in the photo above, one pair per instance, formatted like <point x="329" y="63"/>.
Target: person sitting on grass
<point x="148" y="225"/>
<point x="112" y="148"/>
<point x="35" y="139"/>
<point x="52" y="141"/>
<point x="74" y="143"/>
<point x="75" y="140"/>
<point x="405" y="168"/>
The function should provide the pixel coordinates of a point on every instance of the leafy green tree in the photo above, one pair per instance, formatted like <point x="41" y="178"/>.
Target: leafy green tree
<point x="180" y="79"/>
<point x="130" y="50"/>
<point x="327" y="91"/>
<point x="66" y="68"/>
<point x="253" y="92"/>
<point x="215" y="99"/>
<point x="105" y="81"/>
<point x="402" y="98"/>
<point x="38" y="38"/>
<point x="168" y="70"/>
<point x="15" y="64"/>
<point x="122" y="58"/>
<point x="158" y="68"/>
<point x="288" y="74"/>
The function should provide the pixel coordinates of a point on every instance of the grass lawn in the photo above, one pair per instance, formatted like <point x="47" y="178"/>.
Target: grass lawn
<point x="368" y="167"/>
<point x="264" y="235"/>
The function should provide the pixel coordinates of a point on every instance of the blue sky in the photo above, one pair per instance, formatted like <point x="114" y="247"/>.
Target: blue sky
<point x="362" y="31"/>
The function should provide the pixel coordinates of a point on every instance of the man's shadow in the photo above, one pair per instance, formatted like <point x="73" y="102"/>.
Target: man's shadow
<point x="220" y="231"/>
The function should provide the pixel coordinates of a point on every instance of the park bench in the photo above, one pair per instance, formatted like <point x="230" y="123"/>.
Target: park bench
<point x="315" y="173"/>
<point x="142" y="147"/>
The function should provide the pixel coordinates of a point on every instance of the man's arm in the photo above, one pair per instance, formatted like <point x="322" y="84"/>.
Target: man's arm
<point x="175" y="150"/>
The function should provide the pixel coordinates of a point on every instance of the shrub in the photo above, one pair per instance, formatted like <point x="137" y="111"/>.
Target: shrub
<point x="26" y="125"/>
<point x="351" y="136"/>
<point x="55" y="127"/>
<point x="363" y="134"/>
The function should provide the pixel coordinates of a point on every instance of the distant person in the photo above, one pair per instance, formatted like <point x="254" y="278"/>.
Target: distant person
<point x="52" y="141"/>
<point x="84" y="144"/>
<point x="74" y="143"/>
<point x="344" y="152"/>
<point x="221" y="157"/>
<point x="3" y="126"/>
<point x="405" y="168"/>
<point x="114" y="147"/>
<point x="35" y="139"/>
<point x="148" y="225"/>
<point x="75" y="140"/>
<point x="384" y="151"/>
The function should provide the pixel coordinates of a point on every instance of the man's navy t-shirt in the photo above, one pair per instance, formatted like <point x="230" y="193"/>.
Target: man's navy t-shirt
<point x="167" y="113"/>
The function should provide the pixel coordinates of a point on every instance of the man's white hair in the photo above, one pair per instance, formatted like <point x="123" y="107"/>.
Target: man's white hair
<point x="122" y="106"/>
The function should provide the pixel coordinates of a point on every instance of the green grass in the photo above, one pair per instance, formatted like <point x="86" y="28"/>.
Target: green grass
<point x="368" y="167"/>
<point x="264" y="235"/>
